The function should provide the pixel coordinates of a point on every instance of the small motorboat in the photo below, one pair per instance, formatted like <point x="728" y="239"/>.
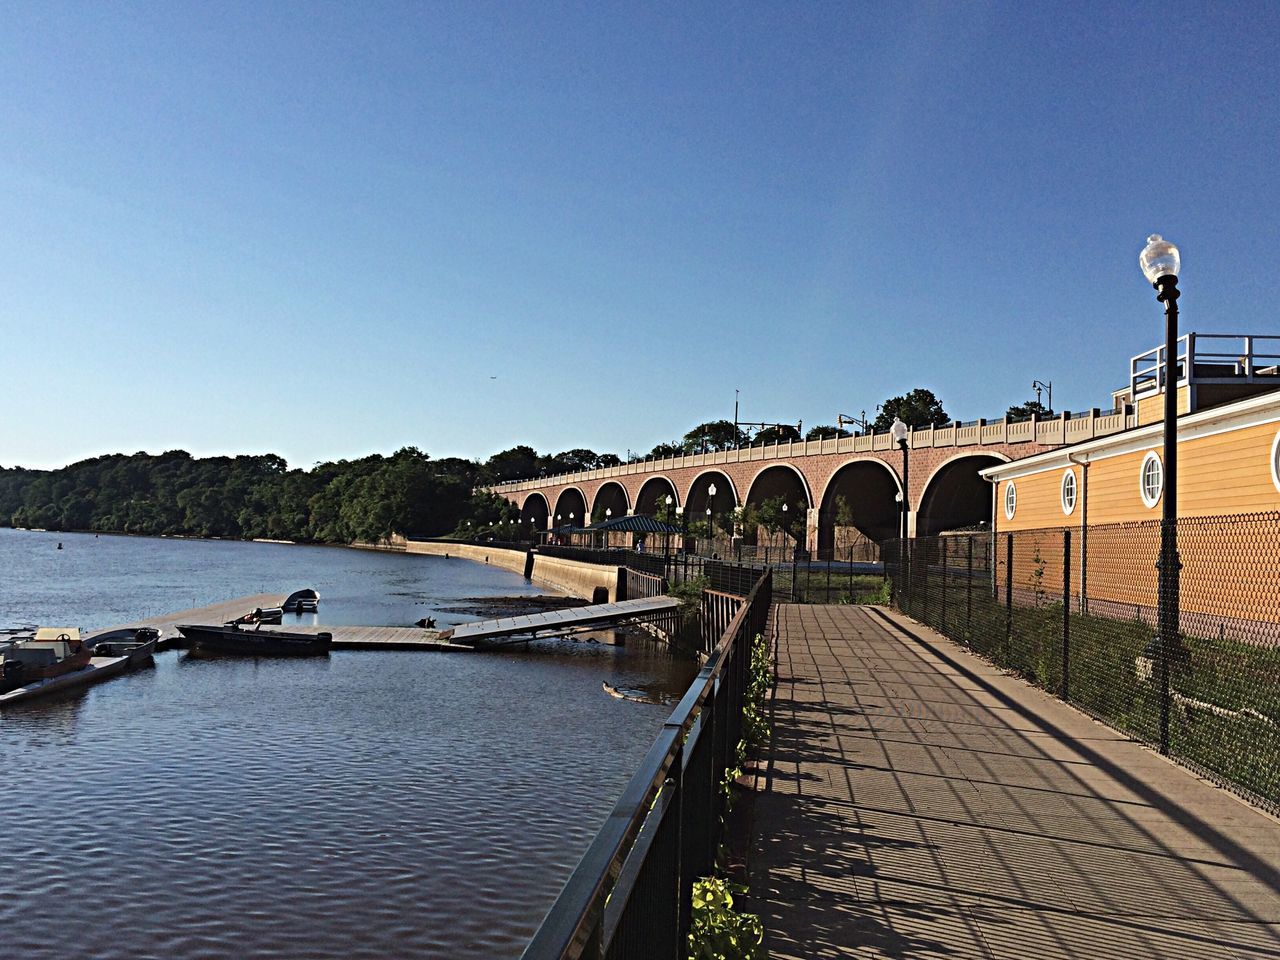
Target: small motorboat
<point x="302" y="601"/>
<point x="255" y="642"/>
<point x="262" y="615"/>
<point x="51" y="652"/>
<point x="136" y="643"/>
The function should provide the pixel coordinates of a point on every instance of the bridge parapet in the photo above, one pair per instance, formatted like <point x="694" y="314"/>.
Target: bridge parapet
<point x="1039" y="433"/>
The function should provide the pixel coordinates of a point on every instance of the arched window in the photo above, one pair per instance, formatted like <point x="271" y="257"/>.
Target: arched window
<point x="1068" y="492"/>
<point x="1152" y="479"/>
<point x="1010" y="499"/>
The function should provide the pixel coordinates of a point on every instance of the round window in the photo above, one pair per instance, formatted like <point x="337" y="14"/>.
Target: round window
<point x="1275" y="461"/>
<point x="1152" y="481"/>
<point x="1010" y="499"/>
<point x="1068" y="491"/>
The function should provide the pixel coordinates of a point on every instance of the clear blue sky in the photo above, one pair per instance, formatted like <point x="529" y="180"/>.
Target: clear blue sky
<point x="322" y="229"/>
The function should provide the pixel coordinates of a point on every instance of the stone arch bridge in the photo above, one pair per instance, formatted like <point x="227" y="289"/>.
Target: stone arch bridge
<point x="850" y="481"/>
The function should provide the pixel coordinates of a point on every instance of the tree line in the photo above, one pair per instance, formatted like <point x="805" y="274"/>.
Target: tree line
<point x="260" y="497"/>
<point x="369" y="499"/>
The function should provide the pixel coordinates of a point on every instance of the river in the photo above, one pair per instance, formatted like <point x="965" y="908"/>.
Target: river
<point x="365" y="805"/>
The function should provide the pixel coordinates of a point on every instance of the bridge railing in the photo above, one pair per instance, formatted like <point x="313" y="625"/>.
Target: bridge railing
<point x="631" y="893"/>
<point x="1052" y="431"/>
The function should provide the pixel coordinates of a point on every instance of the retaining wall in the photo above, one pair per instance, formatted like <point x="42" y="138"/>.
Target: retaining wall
<point x="574" y="577"/>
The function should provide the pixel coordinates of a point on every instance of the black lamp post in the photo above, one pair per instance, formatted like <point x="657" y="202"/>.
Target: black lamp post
<point x="899" y="432"/>
<point x="666" y="534"/>
<point x="1160" y="262"/>
<point x="711" y="518"/>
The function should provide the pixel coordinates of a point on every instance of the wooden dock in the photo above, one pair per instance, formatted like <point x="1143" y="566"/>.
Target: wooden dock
<point x="344" y="637"/>
<point x="462" y="637"/>
<point x="560" y="621"/>
<point x="380" y="638"/>
<point x="167" y="623"/>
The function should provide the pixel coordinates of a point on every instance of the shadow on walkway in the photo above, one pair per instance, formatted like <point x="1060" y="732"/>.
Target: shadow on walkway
<point x="919" y="803"/>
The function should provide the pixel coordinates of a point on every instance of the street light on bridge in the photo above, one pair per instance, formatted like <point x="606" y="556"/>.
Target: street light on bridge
<point x="1160" y="262"/>
<point x="711" y="517"/>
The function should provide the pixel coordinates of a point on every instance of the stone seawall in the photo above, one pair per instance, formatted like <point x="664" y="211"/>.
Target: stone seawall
<point x="574" y="577"/>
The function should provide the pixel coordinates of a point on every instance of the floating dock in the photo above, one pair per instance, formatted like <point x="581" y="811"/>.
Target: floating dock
<point x="560" y="621"/>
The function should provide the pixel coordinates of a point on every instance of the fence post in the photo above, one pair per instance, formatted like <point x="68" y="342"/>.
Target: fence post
<point x="942" y="542"/>
<point x="968" y="595"/>
<point x="1008" y="596"/>
<point x="924" y="582"/>
<point x="1066" y="614"/>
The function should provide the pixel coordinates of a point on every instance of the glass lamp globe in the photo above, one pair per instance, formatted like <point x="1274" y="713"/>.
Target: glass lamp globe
<point x="711" y="490"/>
<point x="1159" y="258"/>
<point x="898" y="430"/>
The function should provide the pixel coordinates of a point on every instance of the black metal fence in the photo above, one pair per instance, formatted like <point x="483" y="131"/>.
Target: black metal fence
<point x="1075" y="612"/>
<point x="631" y="894"/>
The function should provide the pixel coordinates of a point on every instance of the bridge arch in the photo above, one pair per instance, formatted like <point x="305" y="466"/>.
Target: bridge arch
<point x="571" y="508"/>
<point x="534" y="513"/>
<point x="698" y="496"/>
<point x="955" y="496"/>
<point x="652" y="498"/>
<point x="860" y="503"/>
<point x="611" y="496"/>
<point x="785" y="481"/>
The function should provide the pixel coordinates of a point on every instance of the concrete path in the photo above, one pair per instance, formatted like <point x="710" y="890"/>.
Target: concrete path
<point x="921" y="804"/>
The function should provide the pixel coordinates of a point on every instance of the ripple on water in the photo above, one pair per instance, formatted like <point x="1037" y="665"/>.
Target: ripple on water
<point x="370" y="805"/>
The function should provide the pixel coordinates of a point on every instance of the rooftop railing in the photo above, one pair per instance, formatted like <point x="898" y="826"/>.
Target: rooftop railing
<point x="1207" y="358"/>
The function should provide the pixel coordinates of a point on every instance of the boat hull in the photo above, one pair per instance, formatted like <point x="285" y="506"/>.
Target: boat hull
<point x="255" y="643"/>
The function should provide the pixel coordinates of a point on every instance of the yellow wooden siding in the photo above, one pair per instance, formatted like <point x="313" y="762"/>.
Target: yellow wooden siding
<point x="1151" y="409"/>
<point x="1039" y="502"/>
<point x="1225" y="473"/>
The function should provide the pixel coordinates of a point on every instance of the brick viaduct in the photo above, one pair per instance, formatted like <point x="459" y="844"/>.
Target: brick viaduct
<point x="815" y="477"/>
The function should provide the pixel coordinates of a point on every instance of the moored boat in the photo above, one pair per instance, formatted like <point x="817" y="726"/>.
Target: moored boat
<point x="302" y="601"/>
<point x="136" y="643"/>
<point x="52" y="652"/>
<point x="262" y="615"/>
<point x="240" y="639"/>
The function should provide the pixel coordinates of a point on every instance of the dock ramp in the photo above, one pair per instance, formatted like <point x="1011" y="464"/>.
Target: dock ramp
<point x="561" y="621"/>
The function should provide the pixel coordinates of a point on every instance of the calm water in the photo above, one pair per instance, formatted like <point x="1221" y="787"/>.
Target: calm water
<point x="95" y="582"/>
<point x="372" y="804"/>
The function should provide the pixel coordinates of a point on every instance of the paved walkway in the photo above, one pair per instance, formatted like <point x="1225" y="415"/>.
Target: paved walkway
<point x="921" y="804"/>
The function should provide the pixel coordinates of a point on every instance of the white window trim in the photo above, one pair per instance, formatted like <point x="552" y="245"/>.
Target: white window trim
<point x="1150" y="502"/>
<point x="1075" y="492"/>
<point x="1275" y="467"/>
<point x="1010" y="493"/>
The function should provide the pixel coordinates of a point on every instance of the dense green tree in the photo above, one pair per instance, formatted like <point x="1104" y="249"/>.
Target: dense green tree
<point x="778" y="433"/>
<point x="826" y="433"/>
<point x="518" y="463"/>
<point x="1024" y="411"/>
<point x="919" y="408"/>
<point x="664" y="450"/>
<point x="713" y="435"/>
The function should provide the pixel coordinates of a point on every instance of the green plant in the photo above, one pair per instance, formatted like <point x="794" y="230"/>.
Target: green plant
<point x="719" y="932"/>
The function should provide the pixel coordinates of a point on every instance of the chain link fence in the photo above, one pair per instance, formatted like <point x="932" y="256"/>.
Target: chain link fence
<point x="1075" y="612"/>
